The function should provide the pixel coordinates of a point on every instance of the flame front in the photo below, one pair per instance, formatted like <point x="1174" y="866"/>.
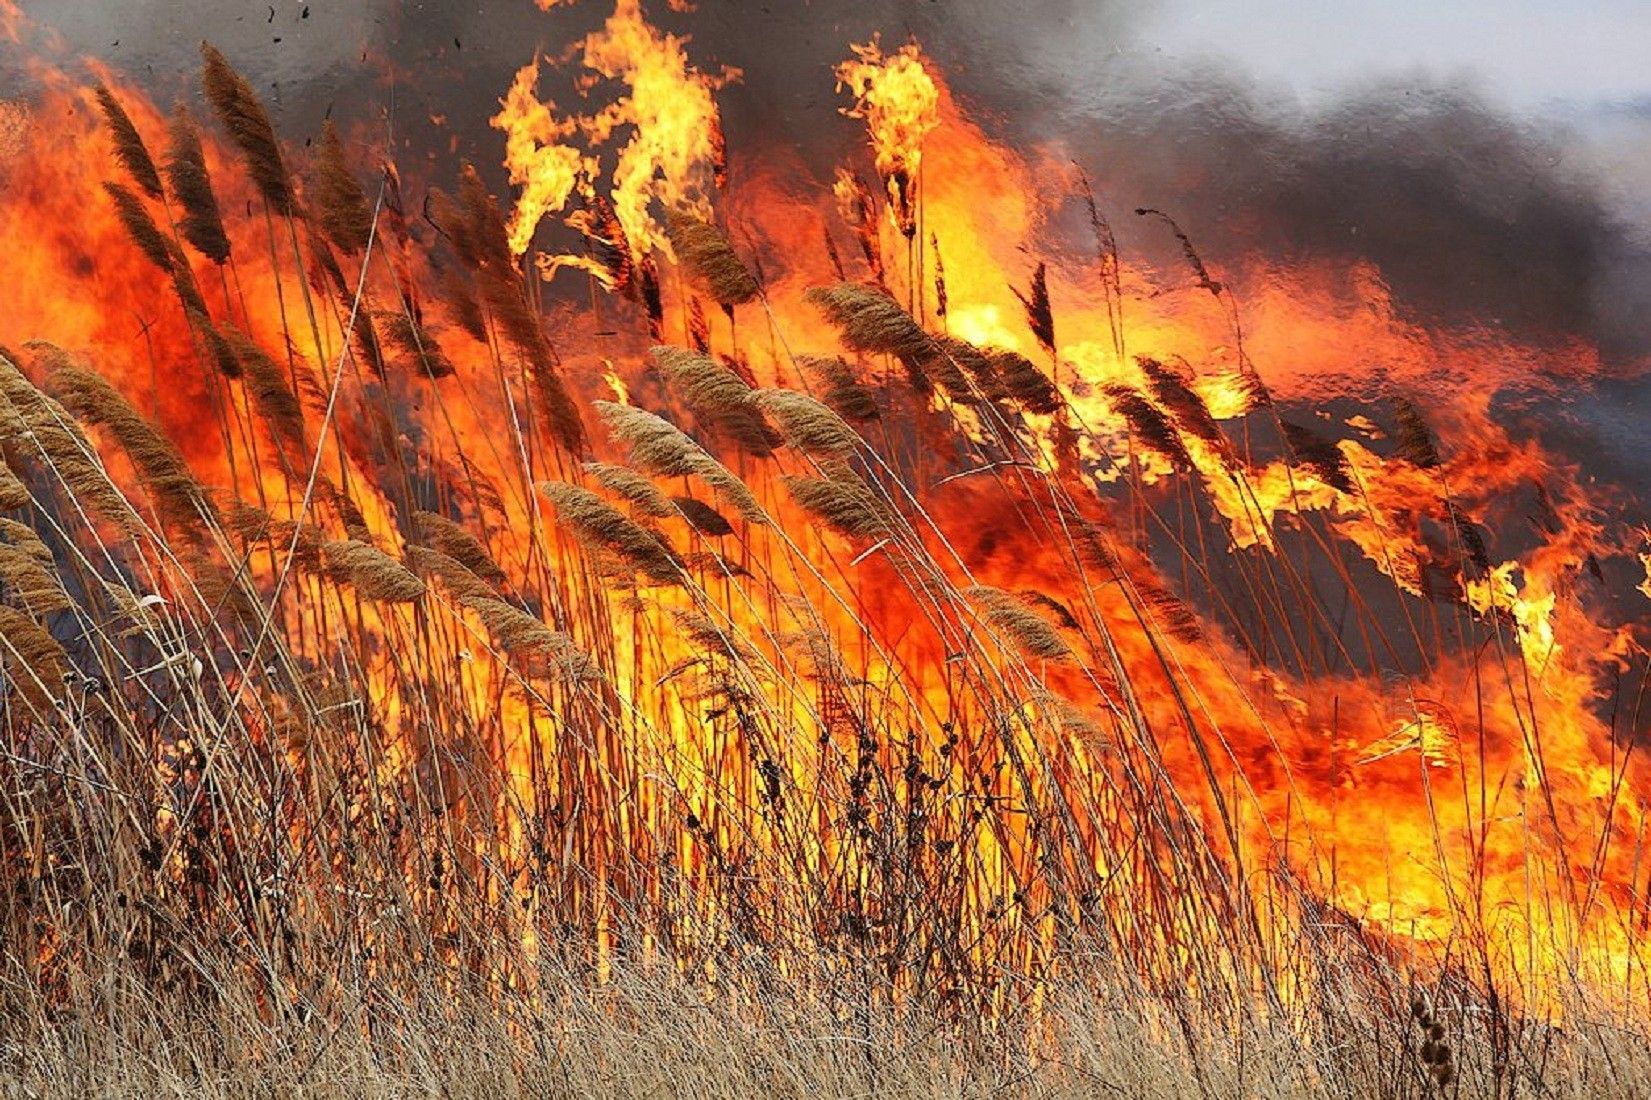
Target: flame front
<point x="1062" y="607"/>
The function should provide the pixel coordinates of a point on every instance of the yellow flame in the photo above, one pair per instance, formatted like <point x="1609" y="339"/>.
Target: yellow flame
<point x="546" y="170"/>
<point x="674" y="154"/>
<point x="1530" y="604"/>
<point x="900" y="104"/>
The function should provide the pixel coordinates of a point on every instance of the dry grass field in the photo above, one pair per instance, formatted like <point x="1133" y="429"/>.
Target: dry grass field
<point x="808" y="650"/>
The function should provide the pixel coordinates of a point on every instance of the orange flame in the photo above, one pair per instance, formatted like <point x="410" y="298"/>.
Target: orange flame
<point x="900" y="103"/>
<point x="546" y="170"/>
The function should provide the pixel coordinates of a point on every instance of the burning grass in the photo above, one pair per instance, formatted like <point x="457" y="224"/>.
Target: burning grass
<point x="976" y="713"/>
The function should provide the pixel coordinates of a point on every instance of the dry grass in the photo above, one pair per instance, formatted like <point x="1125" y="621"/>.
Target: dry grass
<point x="201" y="222"/>
<point x="645" y="1032"/>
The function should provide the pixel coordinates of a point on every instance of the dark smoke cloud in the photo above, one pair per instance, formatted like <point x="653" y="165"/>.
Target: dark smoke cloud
<point x="1472" y="217"/>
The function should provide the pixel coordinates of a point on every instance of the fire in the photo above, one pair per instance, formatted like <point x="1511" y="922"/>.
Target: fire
<point x="673" y="158"/>
<point x="546" y="170"/>
<point x="900" y="103"/>
<point x="1018" y="601"/>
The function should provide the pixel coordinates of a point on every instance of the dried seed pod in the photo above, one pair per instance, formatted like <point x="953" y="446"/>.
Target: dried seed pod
<point x="243" y="115"/>
<point x="130" y="150"/>
<point x="708" y="256"/>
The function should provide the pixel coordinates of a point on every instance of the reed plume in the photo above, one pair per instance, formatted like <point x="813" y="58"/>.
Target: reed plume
<point x="504" y="296"/>
<point x="364" y="338"/>
<point x="632" y="487"/>
<point x="661" y="448"/>
<point x="376" y="575"/>
<point x="323" y="261"/>
<point x="942" y="300"/>
<point x="561" y="412"/>
<point x="1010" y="615"/>
<point x="13" y="493"/>
<point x="841" y="388"/>
<point x="201" y="224"/>
<point x="461" y="581"/>
<point x="27" y="539"/>
<point x="130" y="150"/>
<point x="283" y="413"/>
<point x="871" y="322"/>
<point x="1256" y="393"/>
<point x="1149" y="425"/>
<point x="218" y="349"/>
<point x="442" y="534"/>
<point x="484" y="226"/>
<point x="710" y="259"/>
<point x="462" y="304"/>
<point x="1025" y="383"/>
<point x="807" y="424"/>
<point x="178" y="496"/>
<point x="46" y="431"/>
<point x="243" y="115"/>
<point x="30" y="581"/>
<point x="1188" y="252"/>
<point x="844" y="502"/>
<point x="549" y="652"/>
<point x="709" y="638"/>
<point x="1468" y="536"/>
<point x="1058" y="611"/>
<point x="340" y="204"/>
<point x="32" y="660"/>
<point x="699" y="326"/>
<point x="719" y="395"/>
<point x="1182" y="402"/>
<point x="601" y="526"/>
<point x="1068" y="719"/>
<point x="1320" y="455"/>
<point x="1415" y="443"/>
<point x="141" y="227"/>
<point x="957" y="365"/>
<point x="702" y="517"/>
<point x="442" y="211"/>
<point x="1170" y="611"/>
<point x="224" y="592"/>
<point x="416" y="342"/>
<point x="1040" y="316"/>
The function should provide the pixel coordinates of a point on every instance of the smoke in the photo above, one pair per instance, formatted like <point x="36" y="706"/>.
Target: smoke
<point x="1472" y="217"/>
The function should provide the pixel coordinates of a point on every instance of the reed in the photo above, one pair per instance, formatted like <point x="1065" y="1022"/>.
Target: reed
<point x="130" y="149"/>
<point x="201" y="223"/>
<point x="340" y="204"/>
<point x="372" y="572"/>
<point x="711" y="260"/>
<point x="888" y="738"/>
<point x="243" y="117"/>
